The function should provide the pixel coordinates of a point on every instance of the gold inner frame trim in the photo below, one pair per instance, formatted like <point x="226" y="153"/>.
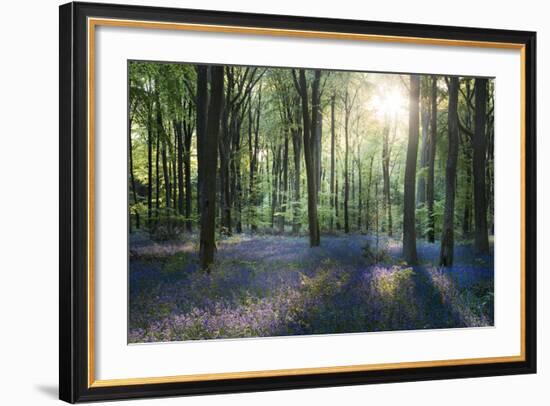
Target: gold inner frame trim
<point x="94" y="22"/>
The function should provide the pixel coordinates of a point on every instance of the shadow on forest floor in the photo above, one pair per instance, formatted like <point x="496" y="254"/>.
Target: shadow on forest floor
<point x="276" y="285"/>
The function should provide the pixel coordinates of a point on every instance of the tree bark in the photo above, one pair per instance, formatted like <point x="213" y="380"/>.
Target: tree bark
<point x="149" y="171"/>
<point x="360" y="194"/>
<point x="179" y="163"/>
<point x="447" y="238"/>
<point x="308" y="134"/>
<point x="297" y="149"/>
<point x="332" y="147"/>
<point x="207" y="164"/>
<point x="346" y="162"/>
<point x="132" y="178"/>
<point x="479" y="143"/>
<point x="166" y="176"/>
<point x="409" y="223"/>
<point x="424" y="152"/>
<point x="202" y="113"/>
<point x="386" y="176"/>
<point x="188" y="134"/>
<point x="431" y="163"/>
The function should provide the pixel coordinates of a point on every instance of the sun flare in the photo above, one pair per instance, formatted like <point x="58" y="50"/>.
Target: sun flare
<point x="388" y="104"/>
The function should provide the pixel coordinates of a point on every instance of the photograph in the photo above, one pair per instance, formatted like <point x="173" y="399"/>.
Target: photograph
<point x="286" y="201"/>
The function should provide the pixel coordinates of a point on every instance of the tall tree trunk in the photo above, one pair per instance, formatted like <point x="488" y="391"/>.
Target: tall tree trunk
<point x="131" y="168"/>
<point x="346" y="162"/>
<point x="297" y="149"/>
<point x="467" y="214"/>
<point x="317" y="115"/>
<point x="157" y="160"/>
<point x="386" y="198"/>
<point x="360" y="194"/>
<point x="225" y="160"/>
<point x="308" y="133"/>
<point x="424" y="152"/>
<point x="337" y="204"/>
<point x="254" y="124"/>
<point x="202" y="113"/>
<point x="207" y="164"/>
<point x="368" y="202"/>
<point x="188" y="134"/>
<point x="447" y="238"/>
<point x="274" y="183"/>
<point x="179" y="152"/>
<point x="166" y="176"/>
<point x="409" y="223"/>
<point x="284" y="190"/>
<point x="332" y="145"/>
<point x="479" y="143"/>
<point x="149" y="171"/>
<point x="431" y="162"/>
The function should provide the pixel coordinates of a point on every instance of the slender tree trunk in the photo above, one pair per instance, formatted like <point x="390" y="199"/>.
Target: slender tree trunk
<point x="332" y="145"/>
<point x="337" y="205"/>
<point x="308" y="133"/>
<point x="479" y="142"/>
<point x="368" y="202"/>
<point x="297" y="149"/>
<point x="360" y="195"/>
<point x="346" y="162"/>
<point x="431" y="163"/>
<point x="317" y="114"/>
<point x="166" y="176"/>
<point x="274" y="183"/>
<point x="132" y="178"/>
<point x="447" y="239"/>
<point x="284" y="195"/>
<point x="467" y="214"/>
<point x="157" y="160"/>
<point x="254" y="147"/>
<point x="409" y="222"/>
<point x="209" y="150"/>
<point x="202" y="113"/>
<point x="424" y="153"/>
<point x="149" y="172"/>
<point x="386" y="176"/>
<point x="179" y="152"/>
<point x="187" y="166"/>
<point x="174" y="173"/>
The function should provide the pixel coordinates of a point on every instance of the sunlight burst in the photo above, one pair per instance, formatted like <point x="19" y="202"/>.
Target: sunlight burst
<point x="388" y="104"/>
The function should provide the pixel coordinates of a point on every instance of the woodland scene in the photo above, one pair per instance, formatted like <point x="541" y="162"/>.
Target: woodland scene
<point x="278" y="201"/>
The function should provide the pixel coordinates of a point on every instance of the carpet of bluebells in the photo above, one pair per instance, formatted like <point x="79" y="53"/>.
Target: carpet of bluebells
<point x="277" y="285"/>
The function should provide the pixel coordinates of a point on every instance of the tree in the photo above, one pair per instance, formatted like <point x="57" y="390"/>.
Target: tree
<point x="447" y="238"/>
<point x="479" y="143"/>
<point x="424" y="150"/>
<point x="347" y="112"/>
<point x="208" y="154"/>
<point x="431" y="162"/>
<point x="332" y="156"/>
<point x="386" y="174"/>
<point x="309" y="139"/>
<point x="409" y="223"/>
<point x="349" y="101"/>
<point x="201" y="118"/>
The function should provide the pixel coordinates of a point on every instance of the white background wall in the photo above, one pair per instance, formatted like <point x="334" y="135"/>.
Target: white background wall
<point x="29" y="204"/>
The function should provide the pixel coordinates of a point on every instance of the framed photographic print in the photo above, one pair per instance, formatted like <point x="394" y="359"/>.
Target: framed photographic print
<point x="256" y="202"/>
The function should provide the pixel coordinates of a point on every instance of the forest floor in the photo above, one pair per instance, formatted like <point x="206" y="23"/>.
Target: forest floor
<point x="265" y="285"/>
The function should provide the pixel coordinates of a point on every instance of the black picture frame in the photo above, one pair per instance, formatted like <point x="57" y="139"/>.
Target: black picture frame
<point x="73" y="256"/>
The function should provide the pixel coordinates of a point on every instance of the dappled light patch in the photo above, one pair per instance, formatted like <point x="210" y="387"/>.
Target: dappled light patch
<point x="471" y="310"/>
